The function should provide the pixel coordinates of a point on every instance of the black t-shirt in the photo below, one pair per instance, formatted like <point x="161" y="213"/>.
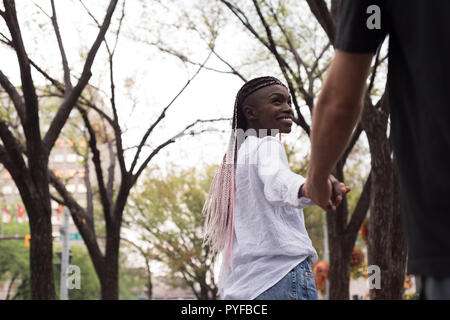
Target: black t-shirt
<point x="419" y="88"/>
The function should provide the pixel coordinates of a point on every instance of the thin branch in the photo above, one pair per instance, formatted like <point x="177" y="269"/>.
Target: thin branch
<point x="233" y="70"/>
<point x="6" y="40"/>
<point x="96" y="159"/>
<point x="111" y="171"/>
<point x="163" y="114"/>
<point x="14" y="96"/>
<point x="320" y="11"/>
<point x="66" y="107"/>
<point x="31" y="125"/>
<point x="354" y="139"/>
<point x="361" y="208"/>
<point x="90" y="14"/>
<point x="56" y="199"/>
<point x="374" y="71"/>
<point x="284" y="66"/>
<point x="84" y="101"/>
<point x="53" y="81"/>
<point x="245" y="21"/>
<point x="82" y="220"/>
<point x="185" y="59"/>
<point x="13" y="148"/>
<point x="166" y="143"/>
<point x="42" y="10"/>
<point x="65" y="64"/>
<point x="87" y="182"/>
<point x="116" y="126"/>
<point x="292" y="49"/>
<point x="316" y="63"/>
<point x="118" y="29"/>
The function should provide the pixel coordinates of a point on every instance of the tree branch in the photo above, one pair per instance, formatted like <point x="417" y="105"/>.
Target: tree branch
<point x="292" y="49"/>
<point x="361" y="208"/>
<point x="374" y="71"/>
<point x="320" y="11"/>
<point x="166" y="143"/>
<point x="13" y="148"/>
<point x="65" y="64"/>
<point x="233" y="70"/>
<point x="284" y="66"/>
<point x="14" y="96"/>
<point x="31" y="124"/>
<point x="71" y="99"/>
<point x="111" y="171"/>
<point x="96" y="159"/>
<point x="115" y="121"/>
<point x="162" y="116"/>
<point x="354" y="139"/>
<point x="316" y="63"/>
<point x="80" y="217"/>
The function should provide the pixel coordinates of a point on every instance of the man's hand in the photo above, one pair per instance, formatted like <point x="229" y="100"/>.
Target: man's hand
<point x="326" y="193"/>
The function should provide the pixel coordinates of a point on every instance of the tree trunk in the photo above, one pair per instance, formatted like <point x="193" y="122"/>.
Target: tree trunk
<point x="387" y="247"/>
<point x="398" y="242"/>
<point x="204" y="292"/>
<point x="386" y="243"/>
<point x="41" y="255"/>
<point x="340" y="254"/>
<point x="109" y="279"/>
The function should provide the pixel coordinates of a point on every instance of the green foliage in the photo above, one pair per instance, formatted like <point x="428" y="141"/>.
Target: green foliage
<point x="14" y="257"/>
<point x="168" y="210"/>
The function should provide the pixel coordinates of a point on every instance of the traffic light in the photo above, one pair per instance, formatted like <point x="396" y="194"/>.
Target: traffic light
<point x="27" y="240"/>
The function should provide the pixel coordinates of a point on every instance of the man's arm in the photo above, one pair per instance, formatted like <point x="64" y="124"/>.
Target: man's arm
<point x="335" y="115"/>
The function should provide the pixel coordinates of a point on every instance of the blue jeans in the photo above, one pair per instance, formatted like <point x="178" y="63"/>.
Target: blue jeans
<point x="298" y="284"/>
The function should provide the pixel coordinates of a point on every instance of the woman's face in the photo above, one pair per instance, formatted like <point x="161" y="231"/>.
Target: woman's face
<point x="269" y="108"/>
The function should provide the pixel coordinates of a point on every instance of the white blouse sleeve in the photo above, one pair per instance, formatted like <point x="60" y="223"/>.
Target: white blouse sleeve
<point x="281" y="185"/>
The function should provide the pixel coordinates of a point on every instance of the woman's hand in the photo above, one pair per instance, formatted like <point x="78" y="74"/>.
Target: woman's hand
<point x="339" y="190"/>
<point x="326" y="193"/>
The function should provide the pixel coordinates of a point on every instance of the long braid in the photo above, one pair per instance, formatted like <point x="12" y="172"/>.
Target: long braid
<point x="219" y="205"/>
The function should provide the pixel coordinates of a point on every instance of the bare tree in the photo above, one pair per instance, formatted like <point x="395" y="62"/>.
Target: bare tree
<point x="113" y="198"/>
<point x="28" y="162"/>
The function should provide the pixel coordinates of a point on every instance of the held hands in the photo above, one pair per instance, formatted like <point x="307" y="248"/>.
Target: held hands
<point x="326" y="193"/>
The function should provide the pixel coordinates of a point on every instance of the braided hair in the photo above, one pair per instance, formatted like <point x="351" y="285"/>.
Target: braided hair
<point x="239" y="120"/>
<point x="219" y="205"/>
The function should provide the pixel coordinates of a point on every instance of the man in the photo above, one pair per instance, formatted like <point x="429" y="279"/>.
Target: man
<point x="418" y="84"/>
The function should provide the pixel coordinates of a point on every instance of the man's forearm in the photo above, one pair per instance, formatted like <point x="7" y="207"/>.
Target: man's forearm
<point x="337" y="111"/>
<point x="332" y="129"/>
